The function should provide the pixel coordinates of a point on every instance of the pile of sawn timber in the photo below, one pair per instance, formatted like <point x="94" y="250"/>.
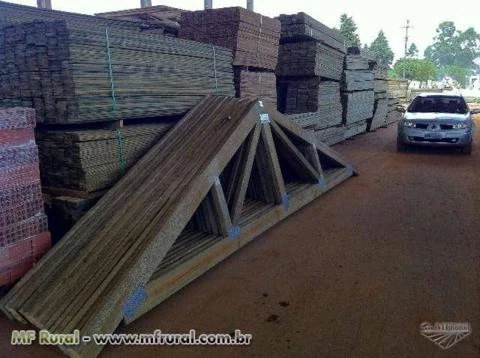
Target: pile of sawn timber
<point x="309" y="72"/>
<point x="93" y="159"/>
<point x="245" y="169"/>
<point x="11" y="14"/>
<point x="74" y="74"/>
<point x="252" y="37"/>
<point x="397" y="98"/>
<point x="161" y="19"/>
<point x="381" y="101"/>
<point x="357" y="93"/>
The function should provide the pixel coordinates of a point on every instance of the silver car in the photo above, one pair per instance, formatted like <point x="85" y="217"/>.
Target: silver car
<point x="437" y="119"/>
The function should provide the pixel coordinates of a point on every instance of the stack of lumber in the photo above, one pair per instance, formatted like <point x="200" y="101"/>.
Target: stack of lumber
<point x="397" y="97"/>
<point x="309" y="71"/>
<point x="256" y="84"/>
<point x="252" y="37"/>
<point x="309" y="58"/>
<point x="75" y="74"/>
<point x="248" y="168"/>
<point x="397" y="89"/>
<point x="93" y="159"/>
<point x="358" y="106"/>
<point x="358" y="96"/>
<point x="300" y="27"/>
<point x="11" y="14"/>
<point x="332" y="135"/>
<point x="381" y="101"/>
<point x="313" y="95"/>
<point x="24" y="236"/>
<point x="161" y="19"/>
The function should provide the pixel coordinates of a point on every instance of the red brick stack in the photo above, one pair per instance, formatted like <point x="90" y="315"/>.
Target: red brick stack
<point x="24" y="236"/>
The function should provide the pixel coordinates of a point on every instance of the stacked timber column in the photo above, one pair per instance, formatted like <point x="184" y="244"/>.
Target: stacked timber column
<point x="357" y="93"/>
<point x="24" y="235"/>
<point x="397" y="98"/>
<point x="86" y="81"/>
<point x="309" y="72"/>
<point x="381" y="100"/>
<point x="253" y="38"/>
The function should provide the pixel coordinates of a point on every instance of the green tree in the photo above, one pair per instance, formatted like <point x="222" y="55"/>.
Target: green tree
<point x="412" y="51"/>
<point x="380" y="49"/>
<point x="348" y="29"/>
<point x="457" y="73"/>
<point x="415" y="69"/>
<point x="453" y="47"/>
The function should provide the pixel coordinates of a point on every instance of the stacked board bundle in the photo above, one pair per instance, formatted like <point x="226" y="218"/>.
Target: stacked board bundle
<point x="76" y="75"/>
<point x="331" y="135"/>
<point x="309" y="71"/>
<point x="253" y="38"/>
<point x="397" y="97"/>
<point x="300" y="27"/>
<point x="24" y="236"/>
<point x="381" y="101"/>
<point x="397" y="89"/>
<point x="255" y="84"/>
<point x="161" y="19"/>
<point x="91" y="160"/>
<point x="358" y="106"/>
<point x="357" y="93"/>
<point x="309" y="58"/>
<point x="11" y="14"/>
<point x="313" y="103"/>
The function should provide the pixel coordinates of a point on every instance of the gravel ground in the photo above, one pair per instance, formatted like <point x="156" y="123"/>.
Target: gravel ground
<point x="353" y="274"/>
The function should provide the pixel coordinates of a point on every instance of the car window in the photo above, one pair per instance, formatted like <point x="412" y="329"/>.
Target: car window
<point x="439" y="104"/>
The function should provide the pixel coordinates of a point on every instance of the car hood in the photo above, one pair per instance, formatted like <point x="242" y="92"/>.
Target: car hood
<point x="436" y="116"/>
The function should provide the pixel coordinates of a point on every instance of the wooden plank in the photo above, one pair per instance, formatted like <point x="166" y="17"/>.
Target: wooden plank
<point x="221" y="208"/>
<point x="244" y="174"/>
<point x="273" y="164"/>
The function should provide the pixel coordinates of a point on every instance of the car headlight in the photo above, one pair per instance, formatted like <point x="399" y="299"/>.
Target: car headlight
<point x="408" y="124"/>
<point x="460" y="125"/>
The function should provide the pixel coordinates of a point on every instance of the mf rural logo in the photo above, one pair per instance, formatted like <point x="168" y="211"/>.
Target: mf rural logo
<point x="445" y="334"/>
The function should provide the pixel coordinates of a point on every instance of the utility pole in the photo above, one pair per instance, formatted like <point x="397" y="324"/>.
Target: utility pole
<point x="44" y="4"/>
<point x="407" y="27"/>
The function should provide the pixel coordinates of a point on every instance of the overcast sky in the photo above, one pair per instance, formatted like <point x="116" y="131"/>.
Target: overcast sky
<point x="370" y="15"/>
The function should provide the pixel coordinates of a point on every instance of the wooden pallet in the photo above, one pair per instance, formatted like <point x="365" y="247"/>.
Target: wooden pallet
<point x="191" y="188"/>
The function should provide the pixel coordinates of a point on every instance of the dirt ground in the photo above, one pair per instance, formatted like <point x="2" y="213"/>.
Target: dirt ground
<point x="351" y="275"/>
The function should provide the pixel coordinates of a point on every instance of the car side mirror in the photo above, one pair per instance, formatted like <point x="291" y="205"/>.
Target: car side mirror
<point x="475" y="111"/>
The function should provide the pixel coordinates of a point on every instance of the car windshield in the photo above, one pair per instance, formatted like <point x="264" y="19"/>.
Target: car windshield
<point x="439" y="104"/>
